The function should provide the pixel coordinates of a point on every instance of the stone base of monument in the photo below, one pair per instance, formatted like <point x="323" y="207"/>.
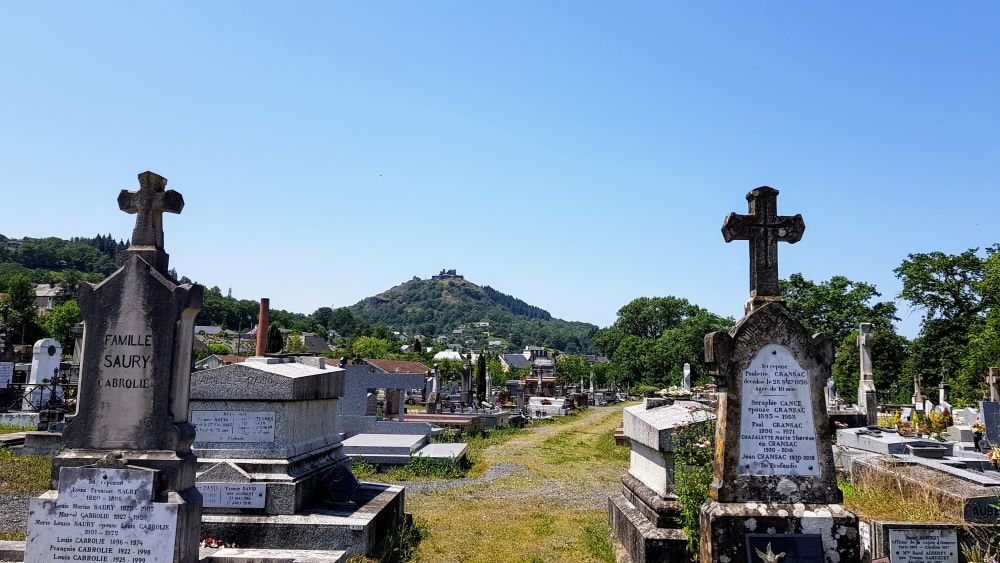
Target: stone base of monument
<point x="114" y="512"/>
<point x="362" y="527"/>
<point x="44" y="444"/>
<point x="725" y="527"/>
<point x="646" y="524"/>
<point x="237" y="555"/>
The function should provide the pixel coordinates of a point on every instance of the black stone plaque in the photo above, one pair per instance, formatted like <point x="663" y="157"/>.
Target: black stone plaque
<point x="989" y="412"/>
<point x="785" y="548"/>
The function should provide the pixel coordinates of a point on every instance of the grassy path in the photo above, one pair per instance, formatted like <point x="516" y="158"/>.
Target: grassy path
<point x="548" y="503"/>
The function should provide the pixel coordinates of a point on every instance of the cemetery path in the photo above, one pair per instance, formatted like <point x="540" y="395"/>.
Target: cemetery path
<point x="539" y="496"/>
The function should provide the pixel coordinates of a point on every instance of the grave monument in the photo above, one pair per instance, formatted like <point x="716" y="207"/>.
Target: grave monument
<point x="125" y="482"/>
<point x="867" y="403"/>
<point x="774" y="477"/>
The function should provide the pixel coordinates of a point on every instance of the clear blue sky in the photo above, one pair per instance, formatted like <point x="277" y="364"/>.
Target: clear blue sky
<point x="574" y="154"/>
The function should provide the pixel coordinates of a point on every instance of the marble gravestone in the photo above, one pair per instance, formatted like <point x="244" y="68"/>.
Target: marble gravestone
<point x="867" y="403"/>
<point x="774" y="471"/>
<point x="127" y="472"/>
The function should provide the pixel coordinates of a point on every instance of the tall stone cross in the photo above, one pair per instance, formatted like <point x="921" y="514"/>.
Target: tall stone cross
<point x="149" y="204"/>
<point x="764" y="228"/>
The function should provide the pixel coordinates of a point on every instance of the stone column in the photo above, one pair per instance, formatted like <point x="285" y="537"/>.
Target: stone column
<point x="263" y="320"/>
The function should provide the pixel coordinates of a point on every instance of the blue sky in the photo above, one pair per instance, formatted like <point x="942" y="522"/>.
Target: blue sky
<point x="574" y="154"/>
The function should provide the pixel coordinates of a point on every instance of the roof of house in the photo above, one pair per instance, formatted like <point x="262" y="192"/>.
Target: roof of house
<point x="315" y="344"/>
<point x="207" y="329"/>
<point x="47" y="290"/>
<point x="516" y="361"/>
<point x="398" y="366"/>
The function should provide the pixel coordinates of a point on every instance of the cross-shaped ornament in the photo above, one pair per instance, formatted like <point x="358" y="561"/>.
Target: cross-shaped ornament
<point x="764" y="228"/>
<point x="149" y="204"/>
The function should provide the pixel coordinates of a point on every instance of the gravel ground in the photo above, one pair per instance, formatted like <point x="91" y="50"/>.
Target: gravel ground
<point x="14" y="511"/>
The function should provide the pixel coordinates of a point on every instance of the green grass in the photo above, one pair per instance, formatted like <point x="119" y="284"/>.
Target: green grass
<point x="11" y="429"/>
<point x="27" y="474"/>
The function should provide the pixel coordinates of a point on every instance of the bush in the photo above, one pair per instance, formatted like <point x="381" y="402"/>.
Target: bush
<point x="219" y="349"/>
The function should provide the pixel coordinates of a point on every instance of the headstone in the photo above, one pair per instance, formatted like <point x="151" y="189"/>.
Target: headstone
<point x="685" y="382"/>
<point x="645" y="516"/>
<point x="923" y="546"/>
<point x="965" y="417"/>
<point x="989" y="412"/>
<point x="993" y="381"/>
<point x="906" y="414"/>
<point x="45" y="357"/>
<point x="867" y="403"/>
<point x="928" y="406"/>
<point x="830" y="393"/>
<point x="942" y="392"/>
<point x="131" y="432"/>
<point x="774" y="471"/>
<point x="6" y="373"/>
<point x="918" y="395"/>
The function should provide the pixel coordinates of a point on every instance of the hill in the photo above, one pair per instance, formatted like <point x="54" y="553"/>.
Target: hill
<point x="441" y="306"/>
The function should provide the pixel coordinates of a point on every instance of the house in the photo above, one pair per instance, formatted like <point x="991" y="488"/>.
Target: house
<point x="45" y="296"/>
<point x="315" y="344"/>
<point x="448" y="275"/>
<point x="207" y="330"/>
<point x="216" y="360"/>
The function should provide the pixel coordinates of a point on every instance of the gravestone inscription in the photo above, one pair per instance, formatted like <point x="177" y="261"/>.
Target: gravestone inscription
<point x="102" y="514"/>
<point x="923" y="546"/>
<point x="236" y="427"/>
<point x="232" y="495"/>
<point x="777" y="434"/>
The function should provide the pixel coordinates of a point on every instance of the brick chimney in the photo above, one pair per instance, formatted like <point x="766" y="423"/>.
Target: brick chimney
<point x="263" y="319"/>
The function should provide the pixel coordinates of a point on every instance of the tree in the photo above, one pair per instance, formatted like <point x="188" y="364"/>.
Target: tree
<point x="59" y="323"/>
<point x="370" y="347"/>
<point x="219" y="349"/>
<point x="18" y="304"/>
<point x="294" y="343"/>
<point x="481" y="378"/>
<point x="956" y="293"/>
<point x="653" y="338"/>
<point x="836" y="306"/>
<point x="274" y="342"/>
<point x="572" y="368"/>
<point x="416" y="346"/>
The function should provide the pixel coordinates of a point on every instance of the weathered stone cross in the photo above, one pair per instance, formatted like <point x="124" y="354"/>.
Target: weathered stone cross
<point x="764" y="228"/>
<point x="149" y="204"/>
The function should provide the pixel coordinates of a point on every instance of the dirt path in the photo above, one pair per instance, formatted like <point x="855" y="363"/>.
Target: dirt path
<point x="542" y="497"/>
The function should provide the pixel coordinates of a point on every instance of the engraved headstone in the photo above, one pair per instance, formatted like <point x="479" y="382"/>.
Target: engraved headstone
<point x="923" y="546"/>
<point x="134" y="382"/>
<point x="989" y="412"/>
<point x="774" y="471"/>
<point x="867" y="403"/>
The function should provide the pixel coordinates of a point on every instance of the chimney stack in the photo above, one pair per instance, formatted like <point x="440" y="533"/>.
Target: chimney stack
<point x="263" y="319"/>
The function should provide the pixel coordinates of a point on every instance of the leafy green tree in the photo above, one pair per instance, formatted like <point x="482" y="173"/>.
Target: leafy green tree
<point x="294" y="343"/>
<point x="653" y="338"/>
<point x="370" y="347"/>
<point x="19" y="305"/>
<point x="955" y="295"/>
<point x="572" y="368"/>
<point x="836" y="306"/>
<point x="59" y="322"/>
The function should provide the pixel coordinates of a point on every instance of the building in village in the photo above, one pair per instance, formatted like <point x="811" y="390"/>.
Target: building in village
<point x="46" y="295"/>
<point x="542" y="368"/>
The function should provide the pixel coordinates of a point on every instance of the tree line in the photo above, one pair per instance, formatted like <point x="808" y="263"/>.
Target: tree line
<point x="959" y="334"/>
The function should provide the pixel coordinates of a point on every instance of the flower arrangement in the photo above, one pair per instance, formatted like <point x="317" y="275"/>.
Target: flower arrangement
<point x="978" y="427"/>
<point x="994" y="454"/>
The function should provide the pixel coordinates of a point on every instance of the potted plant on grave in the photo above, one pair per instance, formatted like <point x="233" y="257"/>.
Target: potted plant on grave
<point x="977" y="433"/>
<point x="905" y="428"/>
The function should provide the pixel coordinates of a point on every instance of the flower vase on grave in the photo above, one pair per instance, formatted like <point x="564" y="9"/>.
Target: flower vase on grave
<point x="976" y="438"/>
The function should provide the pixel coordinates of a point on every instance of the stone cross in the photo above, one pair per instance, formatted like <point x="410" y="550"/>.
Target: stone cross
<point x="993" y="380"/>
<point x="149" y="204"/>
<point x="764" y="228"/>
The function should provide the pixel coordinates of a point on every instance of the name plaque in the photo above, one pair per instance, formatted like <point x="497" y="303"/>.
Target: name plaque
<point x="923" y="546"/>
<point x="102" y="515"/>
<point x="777" y="434"/>
<point x="233" y="426"/>
<point x="232" y="495"/>
<point x="6" y="373"/>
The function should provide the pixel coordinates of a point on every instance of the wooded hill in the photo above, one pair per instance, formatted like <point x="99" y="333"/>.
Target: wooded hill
<point x="439" y="307"/>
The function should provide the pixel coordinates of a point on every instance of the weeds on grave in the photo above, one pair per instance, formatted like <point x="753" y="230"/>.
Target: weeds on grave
<point x="23" y="474"/>
<point x="882" y="495"/>
<point x="694" y="450"/>
<point x="597" y="540"/>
